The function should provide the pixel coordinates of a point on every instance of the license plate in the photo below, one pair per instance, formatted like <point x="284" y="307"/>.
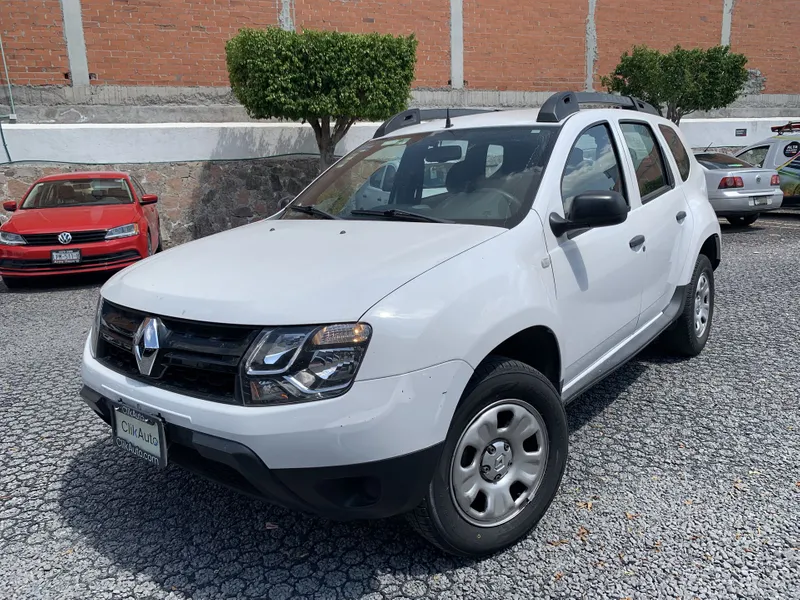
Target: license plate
<point x="139" y="434"/>
<point x="62" y="257"/>
<point x="760" y="200"/>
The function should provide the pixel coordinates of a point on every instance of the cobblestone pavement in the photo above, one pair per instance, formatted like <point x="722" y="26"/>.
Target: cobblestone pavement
<point x="683" y="479"/>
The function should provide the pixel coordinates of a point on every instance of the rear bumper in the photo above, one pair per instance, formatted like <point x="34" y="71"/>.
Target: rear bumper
<point x="732" y="203"/>
<point x="32" y="261"/>
<point x="369" y="490"/>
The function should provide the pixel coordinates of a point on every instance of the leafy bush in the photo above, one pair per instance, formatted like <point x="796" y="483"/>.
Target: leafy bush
<point x="682" y="80"/>
<point x="327" y="78"/>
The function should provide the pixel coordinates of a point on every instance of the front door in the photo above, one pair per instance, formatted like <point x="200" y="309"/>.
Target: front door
<point x="598" y="272"/>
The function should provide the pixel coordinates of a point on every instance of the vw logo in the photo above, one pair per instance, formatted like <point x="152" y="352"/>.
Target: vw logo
<point x="146" y="344"/>
<point x="758" y="178"/>
<point x="65" y="238"/>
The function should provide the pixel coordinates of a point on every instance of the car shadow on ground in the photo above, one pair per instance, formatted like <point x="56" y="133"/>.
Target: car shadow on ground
<point x="40" y="285"/>
<point x="186" y="534"/>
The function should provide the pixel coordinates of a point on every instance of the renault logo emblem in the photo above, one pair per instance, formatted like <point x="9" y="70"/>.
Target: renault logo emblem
<point x="65" y="238"/>
<point x="146" y="344"/>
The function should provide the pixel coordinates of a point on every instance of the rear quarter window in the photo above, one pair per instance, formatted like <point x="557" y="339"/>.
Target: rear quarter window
<point x="678" y="150"/>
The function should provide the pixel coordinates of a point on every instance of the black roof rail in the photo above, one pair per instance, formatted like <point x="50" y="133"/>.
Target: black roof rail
<point x="559" y="106"/>
<point x="790" y="126"/>
<point x="414" y="116"/>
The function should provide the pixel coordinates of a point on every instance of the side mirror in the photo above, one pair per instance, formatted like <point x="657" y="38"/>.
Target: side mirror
<point x="9" y="206"/>
<point x="149" y="199"/>
<point x="283" y="202"/>
<point x="591" y="209"/>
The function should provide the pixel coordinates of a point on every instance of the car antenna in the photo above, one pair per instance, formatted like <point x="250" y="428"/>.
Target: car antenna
<point x="448" y="124"/>
<point x="707" y="147"/>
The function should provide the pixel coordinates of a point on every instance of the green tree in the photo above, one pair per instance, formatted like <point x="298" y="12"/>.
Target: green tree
<point x="326" y="78"/>
<point x="682" y="81"/>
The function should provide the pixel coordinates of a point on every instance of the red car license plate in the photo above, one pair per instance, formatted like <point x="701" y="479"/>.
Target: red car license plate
<point x="63" y="257"/>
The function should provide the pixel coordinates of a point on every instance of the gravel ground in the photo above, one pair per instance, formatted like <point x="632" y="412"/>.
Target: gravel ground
<point x="683" y="479"/>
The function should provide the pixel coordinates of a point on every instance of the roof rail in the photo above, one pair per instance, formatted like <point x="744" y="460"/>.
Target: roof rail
<point x="559" y="106"/>
<point x="414" y="116"/>
<point x="790" y="126"/>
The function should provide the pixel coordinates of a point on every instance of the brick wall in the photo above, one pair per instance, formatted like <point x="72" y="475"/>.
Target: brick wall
<point x="33" y="39"/>
<point x="623" y="23"/>
<point x="536" y="46"/>
<point x="429" y="20"/>
<point x="533" y="46"/>
<point x="166" y="42"/>
<point x="766" y="31"/>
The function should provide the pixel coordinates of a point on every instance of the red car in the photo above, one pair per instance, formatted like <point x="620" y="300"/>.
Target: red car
<point x="77" y="223"/>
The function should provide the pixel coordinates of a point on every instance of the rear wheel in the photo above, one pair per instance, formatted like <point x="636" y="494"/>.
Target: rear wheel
<point x="689" y="334"/>
<point x="744" y="221"/>
<point x="502" y="462"/>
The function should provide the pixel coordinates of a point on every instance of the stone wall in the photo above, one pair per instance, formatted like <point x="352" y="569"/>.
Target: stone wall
<point x="196" y="199"/>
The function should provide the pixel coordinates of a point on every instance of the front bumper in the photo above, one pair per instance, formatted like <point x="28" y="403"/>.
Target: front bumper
<point x="32" y="261"/>
<point x="371" y="490"/>
<point x="367" y="454"/>
<point x="734" y="203"/>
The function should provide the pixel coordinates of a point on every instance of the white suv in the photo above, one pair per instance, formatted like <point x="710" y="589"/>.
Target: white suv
<point x="417" y="357"/>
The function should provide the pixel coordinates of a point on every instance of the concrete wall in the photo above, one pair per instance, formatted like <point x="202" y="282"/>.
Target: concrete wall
<point x="181" y="142"/>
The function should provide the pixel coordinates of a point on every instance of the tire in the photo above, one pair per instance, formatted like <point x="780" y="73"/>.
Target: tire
<point x="501" y="391"/>
<point x="160" y="246"/>
<point x="149" y="246"/>
<point x="683" y="338"/>
<point x="744" y="221"/>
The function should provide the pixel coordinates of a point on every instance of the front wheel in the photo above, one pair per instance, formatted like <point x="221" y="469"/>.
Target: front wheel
<point x="689" y="334"/>
<point x="743" y="221"/>
<point x="501" y="465"/>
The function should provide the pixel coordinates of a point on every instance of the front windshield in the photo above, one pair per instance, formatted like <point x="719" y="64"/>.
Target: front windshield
<point x="78" y="192"/>
<point x="485" y="176"/>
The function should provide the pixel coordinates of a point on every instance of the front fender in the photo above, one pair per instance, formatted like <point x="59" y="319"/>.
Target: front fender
<point x="705" y="225"/>
<point x="465" y="307"/>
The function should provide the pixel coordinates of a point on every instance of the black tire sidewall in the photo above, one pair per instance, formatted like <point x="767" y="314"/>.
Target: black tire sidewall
<point x="526" y="386"/>
<point x="703" y="265"/>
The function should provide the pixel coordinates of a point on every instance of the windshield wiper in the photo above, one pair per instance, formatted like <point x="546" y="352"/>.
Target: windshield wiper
<point x="398" y="214"/>
<point x="313" y="210"/>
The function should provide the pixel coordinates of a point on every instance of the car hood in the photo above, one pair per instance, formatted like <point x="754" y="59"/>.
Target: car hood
<point x="74" y="218"/>
<point x="282" y="272"/>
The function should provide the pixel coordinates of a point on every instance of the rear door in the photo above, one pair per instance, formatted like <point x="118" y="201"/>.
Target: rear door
<point x="664" y="211"/>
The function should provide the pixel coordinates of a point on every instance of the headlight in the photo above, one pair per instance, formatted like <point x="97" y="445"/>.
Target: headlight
<point x="123" y="231"/>
<point x="295" y="364"/>
<point x="11" y="239"/>
<point x="95" y="331"/>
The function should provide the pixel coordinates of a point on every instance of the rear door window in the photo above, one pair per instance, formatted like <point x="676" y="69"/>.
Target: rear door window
<point x="678" y="150"/>
<point x="648" y="160"/>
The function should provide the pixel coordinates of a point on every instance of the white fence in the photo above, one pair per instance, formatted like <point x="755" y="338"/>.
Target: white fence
<point x="93" y="143"/>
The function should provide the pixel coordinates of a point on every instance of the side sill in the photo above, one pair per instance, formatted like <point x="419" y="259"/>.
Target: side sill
<point x="625" y="350"/>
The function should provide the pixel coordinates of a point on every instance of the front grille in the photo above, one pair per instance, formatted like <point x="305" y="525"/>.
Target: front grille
<point x="196" y="359"/>
<point x="78" y="237"/>
<point x="97" y="260"/>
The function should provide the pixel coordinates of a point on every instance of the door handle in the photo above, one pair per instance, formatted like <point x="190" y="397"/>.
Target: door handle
<point x="636" y="242"/>
<point x="680" y="216"/>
